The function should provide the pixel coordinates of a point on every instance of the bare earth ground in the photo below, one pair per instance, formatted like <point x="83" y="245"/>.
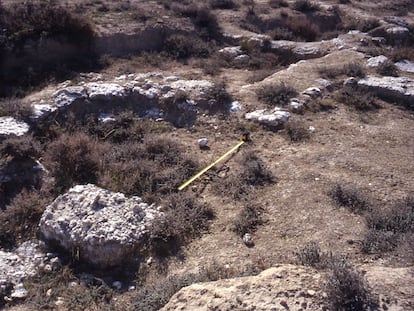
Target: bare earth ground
<point x="372" y="150"/>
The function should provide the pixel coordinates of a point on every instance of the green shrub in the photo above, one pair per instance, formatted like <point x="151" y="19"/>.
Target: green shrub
<point x="276" y="94"/>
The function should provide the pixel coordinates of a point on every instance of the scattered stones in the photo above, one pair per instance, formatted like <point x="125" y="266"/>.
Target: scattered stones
<point x="103" y="227"/>
<point x="9" y="126"/>
<point x="376" y="61"/>
<point x="296" y="105"/>
<point x="274" y="118"/>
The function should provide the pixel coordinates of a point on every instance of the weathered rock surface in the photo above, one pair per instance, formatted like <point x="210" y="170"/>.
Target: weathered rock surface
<point x="105" y="228"/>
<point x="376" y="61"/>
<point x="16" y="266"/>
<point x="146" y="93"/>
<point x="282" y="287"/>
<point x="395" y="88"/>
<point x="405" y="65"/>
<point x="9" y="126"/>
<point x="274" y="118"/>
<point x="290" y="287"/>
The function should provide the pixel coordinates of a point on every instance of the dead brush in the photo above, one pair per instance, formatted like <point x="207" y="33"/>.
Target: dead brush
<point x="351" y="198"/>
<point x="276" y="94"/>
<point x="297" y="132"/>
<point x="248" y="220"/>
<point x="347" y="289"/>
<point x="388" y="227"/>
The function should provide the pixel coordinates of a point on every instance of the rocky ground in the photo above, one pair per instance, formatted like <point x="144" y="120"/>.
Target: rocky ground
<point x="315" y="212"/>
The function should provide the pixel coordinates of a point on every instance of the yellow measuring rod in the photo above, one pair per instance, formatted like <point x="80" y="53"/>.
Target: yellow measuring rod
<point x="211" y="165"/>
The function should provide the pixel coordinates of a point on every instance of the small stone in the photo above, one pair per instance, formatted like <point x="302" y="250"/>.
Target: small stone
<point x="202" y="142"/>
<point x="312" y="128"/>
<point x="131" y="288"/>
<point x="311" y="292"/>
<point x="117" y="285"/>
<point x="19" y="292"/>
<point x="49" y="292"/>
<point x="60" y="301"/>
<point x="73" y="284"/>
<point x="248" y="239"/>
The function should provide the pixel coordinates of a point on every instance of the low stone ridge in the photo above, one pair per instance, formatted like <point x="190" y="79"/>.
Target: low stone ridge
<point x="9" y="126"/>
<point x="396" y="88"/>
<point x="104" y="228"/>
<point x="284" y="287"/>
<point x="150" y="91"/>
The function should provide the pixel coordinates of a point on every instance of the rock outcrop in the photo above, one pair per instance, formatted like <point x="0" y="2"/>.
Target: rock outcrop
<point x="104" y="228"/>
<point x="290" y="287"/>
<point x="274" y="118"/>
<point x="9" y="126"/>
<point x="284" y="287"/>
<point x="395" y="88"/>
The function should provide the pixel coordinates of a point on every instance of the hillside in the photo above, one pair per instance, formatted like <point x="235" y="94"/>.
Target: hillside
<point x="107" y="107"/>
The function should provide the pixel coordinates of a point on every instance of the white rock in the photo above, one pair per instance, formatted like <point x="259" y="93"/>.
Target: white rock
<point x="68" y="95"/>
<point x="42" y="110"/>
<point x="19" y="291"/>
<point x="273" y="119"/>
<point x="202" y="142"/>
<point x="296" y="105"/>
<point x="397" y="88"/>
<point x="235" y="107"/>
<point x="9" y="126"/>
<point x="230" y="52"/>
<point x="313" y="92"/>
<point x="376" y="61"/>
<point x="85" y="219"/>
<point x="241" y="60"/>
<point x="350" y="82"/>
<point x="117" y="285"/>
<point x="104" y="90"/>
<point x="405" y="65"/>
<point x="106" y="117"/>
<point x="248" y="239"/>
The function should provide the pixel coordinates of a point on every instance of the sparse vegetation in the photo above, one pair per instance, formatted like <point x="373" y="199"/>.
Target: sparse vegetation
<point x="276" y="94"/>
<point x="347" y="289"/>
<point x="185" y="218"/>
<point x="305" y="6"/>
<point x="311" y="255"/>
<point x="351" y="198"/>
<point x="388" y="68"/>
<point x="297" y="132"/>
<point x="358" y="99"/>
<point x="387" y="226"/>
<point x="248" y="220"/>
<point x="15" y="108"/>
<point x="223" y="4"/>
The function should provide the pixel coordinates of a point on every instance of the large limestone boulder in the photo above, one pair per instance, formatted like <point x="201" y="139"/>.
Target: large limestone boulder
<point x="291" y="287"/>
<point x="285" y="287"/>
<point x="104" y="228"/>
